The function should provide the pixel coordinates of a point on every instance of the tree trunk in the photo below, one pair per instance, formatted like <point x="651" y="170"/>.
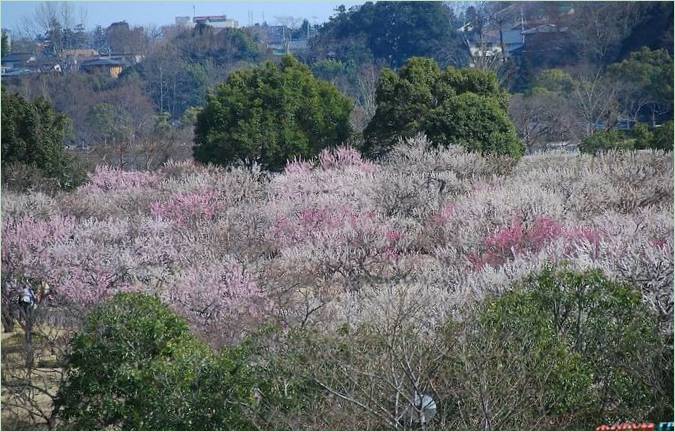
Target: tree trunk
<point x="7" y="319"/>
<point x="28" y="338"/>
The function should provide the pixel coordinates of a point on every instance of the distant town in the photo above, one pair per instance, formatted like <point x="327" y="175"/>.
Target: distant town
<point x="110" y="50"/>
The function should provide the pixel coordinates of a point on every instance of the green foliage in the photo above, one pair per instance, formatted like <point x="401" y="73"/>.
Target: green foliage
<point x="604" y="141"/>
<point x="109" y="370"/>
<point x="135" y="365"/>
<point x="269" y="115"/>
<point x="586" y="344"/>
<point x="287" y="393"/>
<point x="453" y="106"/>
<point x="109" y="121"/>
<point x="653" y="29"/>
<point x="178" y="74"/>
<point x="642" y="135"/>
<point x="189" y="117"/>
<point x="532" y="352"/>
<point x="204" y="43"/>
<point x="33" y="135"/>
<point x="554" y="80"/>
<point x="4" y="49"/>
<point x="328" y="70"/>
<point x="391" y="32"/>
<point x="478" y="123"/>
<point x="651" y="72"/>
<point x="660" y="138"/>
<point x="663" y="137"/>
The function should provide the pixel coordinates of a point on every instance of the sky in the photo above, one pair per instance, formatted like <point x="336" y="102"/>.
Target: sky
<point x="163" y="13"/>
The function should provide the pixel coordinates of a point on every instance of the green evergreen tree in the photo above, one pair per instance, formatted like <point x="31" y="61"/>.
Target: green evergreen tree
<point x="33" y="135"/>
<point x="269" y="115"/>
<point x="135" y="365"/>
<point x="663" y="137"/>
<point x="465" y="107"/>
<point x="647" y="76"/>
<point x="5" y="44"/>
<point x="392" y="32"/>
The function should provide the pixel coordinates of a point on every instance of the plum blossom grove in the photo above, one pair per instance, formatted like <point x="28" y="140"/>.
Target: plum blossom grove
<point x="232" y="249"/>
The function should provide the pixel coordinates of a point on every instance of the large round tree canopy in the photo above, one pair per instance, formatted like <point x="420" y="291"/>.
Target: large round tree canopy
<point x="269" y="115"/>
<point x="466" y="107"/>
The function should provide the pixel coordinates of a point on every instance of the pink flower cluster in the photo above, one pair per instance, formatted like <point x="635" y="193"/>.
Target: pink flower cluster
<point x="339" y="225"/>
<point x="106" y="179"/>
<point x="230" y="248"/>
<point x="444" y="214"/>
<point x="222" y="298"/>
<point x="185" y="208"/>
<point x="343" y="157"/>
<point x="518" y="239"/>
<point x="27" y="242"/>
<point x="51" y="251"/>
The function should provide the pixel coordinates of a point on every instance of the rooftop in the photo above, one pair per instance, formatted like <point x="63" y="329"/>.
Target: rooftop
<point x="103" y="62"/>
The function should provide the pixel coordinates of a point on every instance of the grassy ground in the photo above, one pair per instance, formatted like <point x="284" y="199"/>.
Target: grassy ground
<point x="24" y="408"/>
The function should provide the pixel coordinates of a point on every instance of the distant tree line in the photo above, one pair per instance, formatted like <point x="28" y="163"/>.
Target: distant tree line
<point x="606" y="81"/>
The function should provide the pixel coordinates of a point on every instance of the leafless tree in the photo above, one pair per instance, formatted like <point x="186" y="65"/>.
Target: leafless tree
<point x="594" y="99"/>
<point x="365" y="88"/>
<point x="543" y="117"/>
<point x="32" y="370"/>
<point x="601" y="26"/>
<point x="390" y="364"/>
<point x="49" y="14"/>
<point x="289" y="21"/>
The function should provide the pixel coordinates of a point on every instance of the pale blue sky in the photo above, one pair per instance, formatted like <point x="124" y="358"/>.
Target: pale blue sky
<point x="163" y="13"/>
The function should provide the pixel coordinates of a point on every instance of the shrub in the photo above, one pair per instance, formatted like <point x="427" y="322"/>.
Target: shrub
<point x="576" y="347"/>
<point x="269" y="115"/>
<point x="605" y="140"/>
<point x="663" y="137"/>
<point x="643" y="136"/>
<point x="465" y="107"/>
<point x="135" y="365"/>
<point x="660" y="138"/>
<point x="17" y="176"/>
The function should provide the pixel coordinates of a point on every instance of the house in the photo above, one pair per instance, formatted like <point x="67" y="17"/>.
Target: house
<point x="513" y="41"/>
<point x="297" y="45"/>
<point x="544" y="28"/>
<point x="278" y="39"/>
<point x="550" y="44"/>
<point x="18" y="65"/>
<point x="47" y="65"/>
<point x="72" y="58"/>
<point x="79" y="53"/>
<point x="19" y="60"/>
<point x="288" y="46"/>
<point x="216" y="21"/>
<point x="184" y="21"/>
<point x="16" y="73"/>
<point x="104" y="66"/>
<point x="520" y="30"/>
